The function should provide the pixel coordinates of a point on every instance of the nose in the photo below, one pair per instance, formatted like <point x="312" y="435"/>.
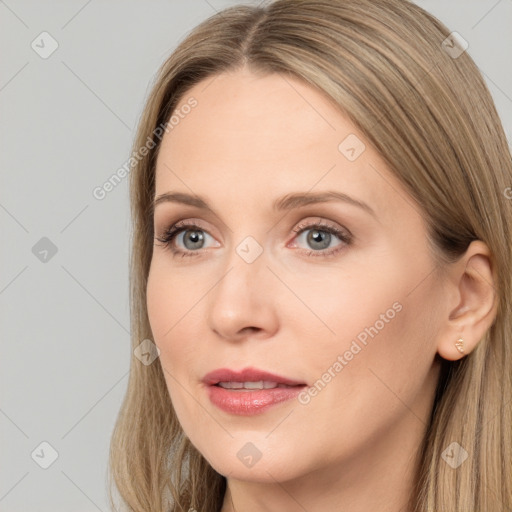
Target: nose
<point x="244" y="301"/>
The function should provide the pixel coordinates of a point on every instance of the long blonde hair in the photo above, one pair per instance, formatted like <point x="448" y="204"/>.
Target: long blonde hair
<point x="429" y="114"/>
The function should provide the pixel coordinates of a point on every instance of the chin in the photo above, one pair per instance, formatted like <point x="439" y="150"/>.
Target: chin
<point x="262" y="472"/>
<point x="249" y="463"/>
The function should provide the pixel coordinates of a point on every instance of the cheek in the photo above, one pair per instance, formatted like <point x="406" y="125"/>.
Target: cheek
<point x="175" y="324"/>
<point x="373" y="318"/>
<point x="172" y="296"/>
<point x="339" y="305"/>
<point x="387" y="352"/>
<point x="173" y="312"/>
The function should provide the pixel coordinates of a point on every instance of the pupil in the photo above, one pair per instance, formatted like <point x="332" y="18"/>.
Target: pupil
<point x="317" y="236"/>
<point x="195" y="237"/>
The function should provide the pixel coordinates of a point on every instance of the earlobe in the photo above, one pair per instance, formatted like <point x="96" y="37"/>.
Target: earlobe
<point x="455" y="348"/>
<point x="460" y="345"/>
<point x="474" y="308"/>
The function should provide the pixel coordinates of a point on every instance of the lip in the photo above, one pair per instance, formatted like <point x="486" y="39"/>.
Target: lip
<point x="249" y="402"/>
<point x="246" y="375"/>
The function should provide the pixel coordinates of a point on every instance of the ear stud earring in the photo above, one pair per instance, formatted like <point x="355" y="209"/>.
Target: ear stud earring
<point x="460" y="345"/>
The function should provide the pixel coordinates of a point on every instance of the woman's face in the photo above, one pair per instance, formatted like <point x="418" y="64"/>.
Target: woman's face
<point x="338" y="295"/>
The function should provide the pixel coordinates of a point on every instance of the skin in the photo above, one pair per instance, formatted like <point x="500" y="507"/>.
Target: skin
<point x="252" y="139"/>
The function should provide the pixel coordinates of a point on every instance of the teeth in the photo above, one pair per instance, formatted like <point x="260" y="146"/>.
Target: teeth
<point x="251" y="385"/>
<point x="231" y="385"/>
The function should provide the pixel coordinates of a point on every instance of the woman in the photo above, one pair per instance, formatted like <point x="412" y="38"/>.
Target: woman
<point x="321" y="270"/>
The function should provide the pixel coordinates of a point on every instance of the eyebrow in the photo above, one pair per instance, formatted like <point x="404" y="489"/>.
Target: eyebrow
<point x="285" y="203"/>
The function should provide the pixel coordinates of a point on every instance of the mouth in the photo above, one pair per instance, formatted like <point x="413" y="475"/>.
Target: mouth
<point x="249" y="391"/>
<point x="251" y="386"/>
<point x="248" y="378"/>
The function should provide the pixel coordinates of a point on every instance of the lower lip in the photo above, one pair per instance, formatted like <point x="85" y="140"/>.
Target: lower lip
<point x="249" y="402"/>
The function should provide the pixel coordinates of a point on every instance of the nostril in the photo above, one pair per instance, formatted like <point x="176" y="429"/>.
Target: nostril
<point x="250" y="329"/>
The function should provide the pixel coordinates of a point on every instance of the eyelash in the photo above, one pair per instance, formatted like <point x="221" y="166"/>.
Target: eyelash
<point x="175" y="229"/>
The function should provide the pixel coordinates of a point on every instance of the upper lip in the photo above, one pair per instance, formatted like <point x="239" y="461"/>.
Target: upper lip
<point x="246" y="375"/>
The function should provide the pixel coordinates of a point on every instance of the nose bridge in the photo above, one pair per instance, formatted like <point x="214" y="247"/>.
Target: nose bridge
<point x="242" y="297"/>
<point x="244" y="267"/>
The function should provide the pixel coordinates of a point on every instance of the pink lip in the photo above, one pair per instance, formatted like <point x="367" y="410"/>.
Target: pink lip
<point x="248" y="402"/>
<point x="246" y="375"/>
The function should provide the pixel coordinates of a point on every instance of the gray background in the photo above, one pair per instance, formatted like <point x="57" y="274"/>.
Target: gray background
<point x="67" y="124"/>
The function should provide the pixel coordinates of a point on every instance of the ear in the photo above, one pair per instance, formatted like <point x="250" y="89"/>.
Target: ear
<point x="472" y="303"/>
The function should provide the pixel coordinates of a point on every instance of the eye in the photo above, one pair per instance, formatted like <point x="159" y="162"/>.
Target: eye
<point x="192" y="239"/>
<point x="319" y="237"/>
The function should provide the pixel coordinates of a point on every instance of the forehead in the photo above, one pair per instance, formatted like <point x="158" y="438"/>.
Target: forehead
<point x="256" y="135"/>
<point x="254" y="109"/>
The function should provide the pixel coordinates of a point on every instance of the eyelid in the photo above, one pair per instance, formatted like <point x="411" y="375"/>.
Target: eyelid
<point x="182" y="224"/>
<point x="342" y="233"/>
<point x="321" y="222"/>
<point x="315" y="220"/>
<point x="174" y="229"/>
